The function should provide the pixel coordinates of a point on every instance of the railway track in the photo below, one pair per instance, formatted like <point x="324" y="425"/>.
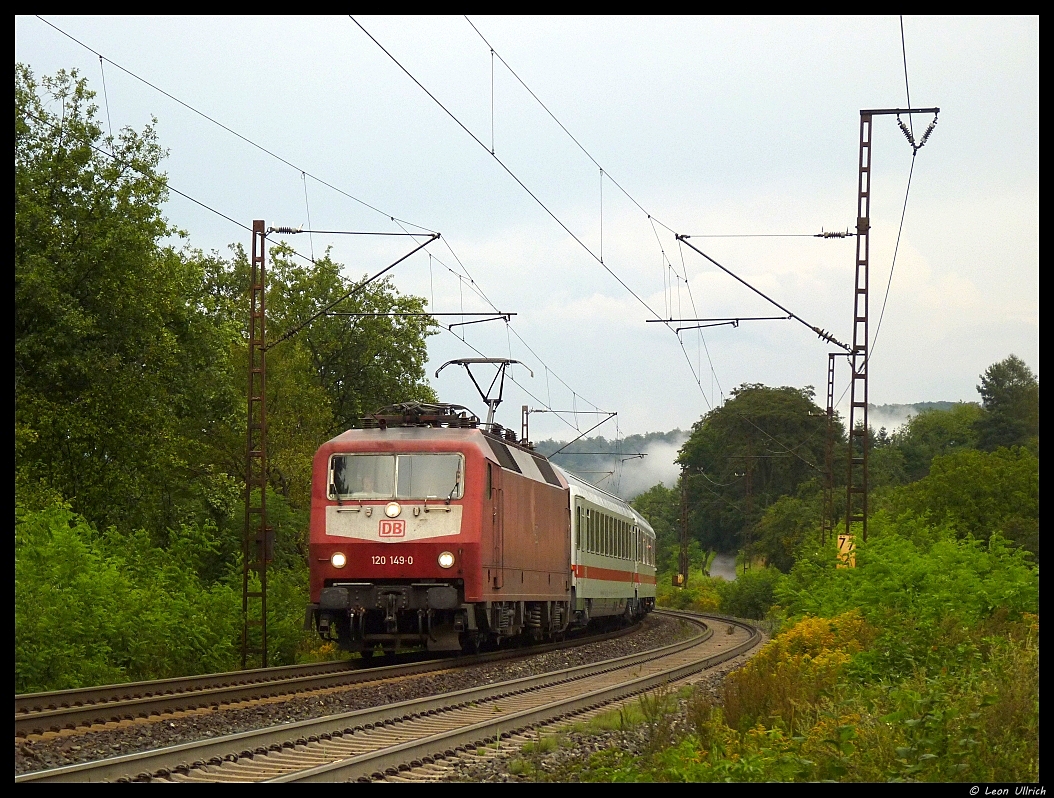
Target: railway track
<point x="368" y="743"/>
<point x="70" y="709"/>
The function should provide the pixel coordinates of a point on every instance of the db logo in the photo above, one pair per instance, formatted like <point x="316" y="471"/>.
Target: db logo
<point x="392" y="529"/>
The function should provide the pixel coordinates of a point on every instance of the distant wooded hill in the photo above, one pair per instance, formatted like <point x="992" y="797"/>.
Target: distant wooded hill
<point x="601" y="460"/>
<point x="892" y="416"/>
<point x="610" y="463"/>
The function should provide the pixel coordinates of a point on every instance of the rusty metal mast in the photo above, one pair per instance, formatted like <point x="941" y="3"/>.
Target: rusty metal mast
<point x="857" y="480"/>
<point x="827" y="522"/>
<point x="682" y="562"/>
<point x="258" y="536"/>
<point x="255" y="551"/>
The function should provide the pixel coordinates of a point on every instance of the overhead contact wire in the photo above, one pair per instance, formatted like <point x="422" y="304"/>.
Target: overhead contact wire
<point x="163" y="181"/>
<point x="304" y="174"/>
<point x="507" y="169"/>
<point x="559" y="123"/>
<point x="230" y="130"/>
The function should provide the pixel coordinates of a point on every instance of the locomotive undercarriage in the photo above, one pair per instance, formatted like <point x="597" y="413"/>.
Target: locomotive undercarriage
<point x="364" y="616"/>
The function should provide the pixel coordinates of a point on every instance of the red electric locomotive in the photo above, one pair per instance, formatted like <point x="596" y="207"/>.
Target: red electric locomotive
<point x="428" y="528"/>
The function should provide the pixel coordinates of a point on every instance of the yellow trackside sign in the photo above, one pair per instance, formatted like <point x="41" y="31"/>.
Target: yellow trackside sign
<point x="846" y="551"/>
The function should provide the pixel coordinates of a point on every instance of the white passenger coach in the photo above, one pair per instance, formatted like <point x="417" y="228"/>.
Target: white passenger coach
<point x="612" y="554"/>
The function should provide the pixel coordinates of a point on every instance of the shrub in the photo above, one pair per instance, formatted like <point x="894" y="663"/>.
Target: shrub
<point x="752" y="593"/>
<point x="794" y="670"/>
<point x="701" y="595"/>
<point x="95" y="608"/>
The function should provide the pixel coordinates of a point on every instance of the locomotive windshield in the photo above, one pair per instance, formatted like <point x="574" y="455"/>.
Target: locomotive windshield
<point x="403" y="476"/>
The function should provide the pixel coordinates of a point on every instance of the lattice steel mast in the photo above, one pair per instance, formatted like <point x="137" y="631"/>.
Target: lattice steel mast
<point x="857" y="479"/>
<point x="255" y="548"/>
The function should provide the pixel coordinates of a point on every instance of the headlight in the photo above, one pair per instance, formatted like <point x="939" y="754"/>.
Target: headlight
<point x="338" y="560"/>
<point x="393" y="509"/>
<point x="446" y="560"/>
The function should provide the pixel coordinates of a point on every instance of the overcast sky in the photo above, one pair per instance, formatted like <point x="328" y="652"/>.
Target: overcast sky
<point x="714" y="126"/>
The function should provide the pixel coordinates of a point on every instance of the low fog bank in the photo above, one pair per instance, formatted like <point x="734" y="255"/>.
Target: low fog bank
<point x="893" y="416"/>
<point x="613" y="466"/>
<point x="640" y="474"/>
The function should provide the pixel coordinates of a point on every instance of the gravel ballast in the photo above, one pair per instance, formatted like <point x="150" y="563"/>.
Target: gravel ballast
<point x="565" y="761"/>
<point x="92" y="744"/>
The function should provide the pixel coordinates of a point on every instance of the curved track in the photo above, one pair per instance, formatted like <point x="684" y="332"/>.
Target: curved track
<point x="70" y="709"/>
<point x="368" y="743"/>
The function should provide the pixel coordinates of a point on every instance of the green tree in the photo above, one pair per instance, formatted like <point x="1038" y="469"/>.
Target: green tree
<point x="1010" y="396"/>
<point x="742" y="456"/>
<point x="324" y="378"/>
<point x="661" y="506"/>
<point x="932" y="433"/>
<point x="751" y="594"/>
<point x="362" y="363"/>
<point x="978" y="494"/>
<point x="786" y="525"/>
<point x="130" y="379"/>
<point x="120" y="373"/>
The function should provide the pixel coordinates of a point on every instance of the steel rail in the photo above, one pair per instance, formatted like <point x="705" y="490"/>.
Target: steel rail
<point x="37" y="712"/>
<point x="391" y="759"/>
<point x="231" y="752"/>
<point x="57" y="699"/>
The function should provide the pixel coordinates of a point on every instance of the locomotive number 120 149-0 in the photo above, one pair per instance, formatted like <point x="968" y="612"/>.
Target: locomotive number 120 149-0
<point x="399" y="559"/>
